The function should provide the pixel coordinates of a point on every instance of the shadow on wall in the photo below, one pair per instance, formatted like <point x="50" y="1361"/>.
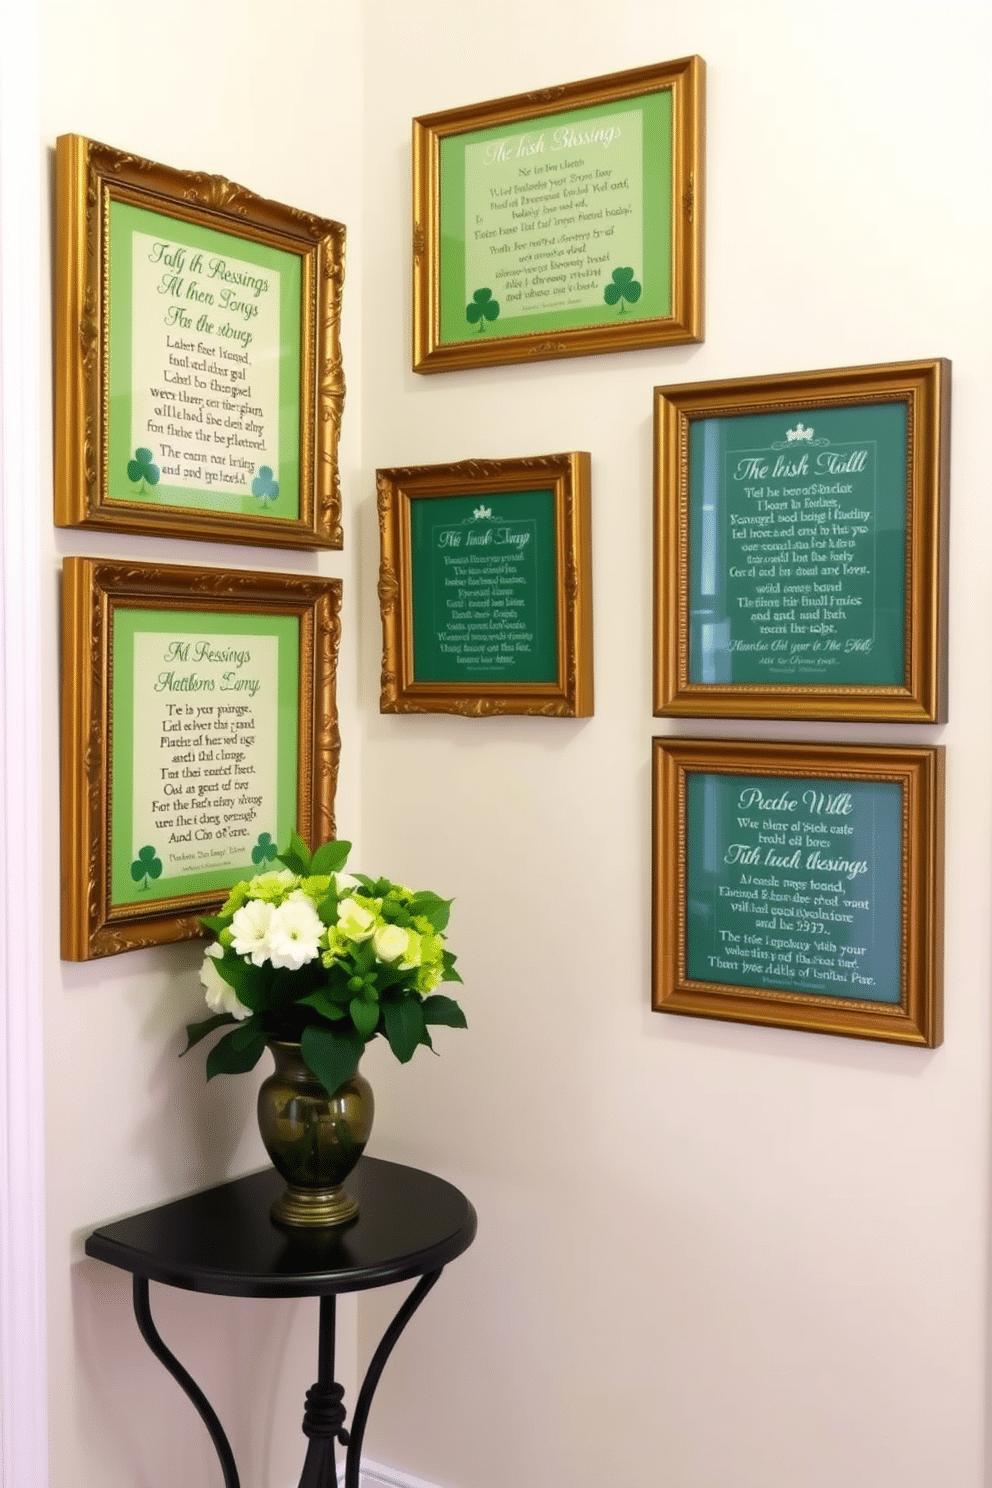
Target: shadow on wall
<point x="254" y="1360"/>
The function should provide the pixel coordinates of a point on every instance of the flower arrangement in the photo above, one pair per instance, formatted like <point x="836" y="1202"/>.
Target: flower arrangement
<point x="312" y="955"/>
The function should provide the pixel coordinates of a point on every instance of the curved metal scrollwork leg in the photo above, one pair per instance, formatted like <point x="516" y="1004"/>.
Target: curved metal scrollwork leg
<point x="185" y="1381"/>
<point x="353" y="1460"/>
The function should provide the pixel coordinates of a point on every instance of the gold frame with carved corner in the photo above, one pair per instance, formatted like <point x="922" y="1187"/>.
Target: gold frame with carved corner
<point x="433" y="351"/>
<point x="924" y="388"/>
<point x="566" y="694"/>
<point x="917" y="962"/>
<point x="90" y="177"/>
<point x="93" y="591"/>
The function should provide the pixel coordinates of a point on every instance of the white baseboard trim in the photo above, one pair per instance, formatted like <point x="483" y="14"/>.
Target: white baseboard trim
<point x="374" y="1475"/>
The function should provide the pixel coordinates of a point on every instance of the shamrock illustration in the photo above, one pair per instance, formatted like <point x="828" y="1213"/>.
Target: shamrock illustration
<point x="141" y="470"/>
<point x="624" y="287"/>
<point x="264" y="850"/>
<point x="482" y="308"/>
<point x="146" y="865"/>
<point x="263" y="486"/>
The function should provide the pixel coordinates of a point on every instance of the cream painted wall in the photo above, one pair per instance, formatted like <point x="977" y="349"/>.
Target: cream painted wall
<point x="271" y="98"/>
<point x="708" y="1255"/>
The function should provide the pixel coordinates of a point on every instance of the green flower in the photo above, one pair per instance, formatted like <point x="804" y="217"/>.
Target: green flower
<point x="317" y="887"/>
<point x="238" y="895"/>
<point x="357" y="917"/>
<point x="272" y="887"/>
<point x="426" y="978"/>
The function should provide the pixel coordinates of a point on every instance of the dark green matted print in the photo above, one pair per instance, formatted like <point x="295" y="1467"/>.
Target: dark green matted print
<point x="484" y="588"/>
<point x="797" y="547"/>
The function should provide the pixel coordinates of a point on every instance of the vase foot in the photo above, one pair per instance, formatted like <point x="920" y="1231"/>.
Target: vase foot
<point x="314" y="1208"/>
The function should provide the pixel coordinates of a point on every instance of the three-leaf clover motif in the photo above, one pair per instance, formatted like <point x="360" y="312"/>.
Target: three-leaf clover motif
<point x="264" y="850"/>
<point x="624" y="287"/>
<point x="146" y="865"/>
<point x="141" y="471"/>
<point x="263" y="486"/>
<point x="482" y="308"/>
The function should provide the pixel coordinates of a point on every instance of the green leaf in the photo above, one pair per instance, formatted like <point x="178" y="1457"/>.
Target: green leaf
<point x="444" y="1011"/>
<point x="330" y="857"/>
<point x="449" y="974"/>
<point x="249" y="982"/>
<point x="216" y="923"/>
<point x="390" y="976"/>
<point x="364" y="957"/>
<point x="327" y="909"/>
<point x="404" y="1026"/>
<point x="364" y="1015"/>
<point x="323" y="1005"/>
<point x="227" y="1058"/>
<point x="197" y="1031"/>
<point x="433" y="908"/>
<point x="297" y="856"/>
<point x="246" y="1033"/>
<point x="331" y="1055"/>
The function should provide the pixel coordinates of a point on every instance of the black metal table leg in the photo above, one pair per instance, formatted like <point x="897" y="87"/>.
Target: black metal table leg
<point x="324" y="1416"/>
<point x="223" y="1242"/>
<point x="353" y="1459"/>
<point x="185" y="1381"/>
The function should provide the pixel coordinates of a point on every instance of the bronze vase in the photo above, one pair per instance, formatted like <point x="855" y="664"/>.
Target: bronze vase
<point x="314" y="1139"/>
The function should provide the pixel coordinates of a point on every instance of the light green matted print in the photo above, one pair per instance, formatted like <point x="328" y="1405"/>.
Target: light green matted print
<point x="565" y="222"/>
<point x="204" y="746"/>
<point x="203" y="368"/>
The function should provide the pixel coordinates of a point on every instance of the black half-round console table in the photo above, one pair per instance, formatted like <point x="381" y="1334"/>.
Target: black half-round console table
<point x="410" y="1224"/>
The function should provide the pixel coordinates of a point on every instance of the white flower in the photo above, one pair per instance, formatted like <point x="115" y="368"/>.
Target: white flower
<point x="390" y="942"/>
<point x="250" y="930"/>
<point x="220" y="997"/>
<point x="294" y="931"/>
<point x="344" y="881"/>
<point x="354" y="921"/>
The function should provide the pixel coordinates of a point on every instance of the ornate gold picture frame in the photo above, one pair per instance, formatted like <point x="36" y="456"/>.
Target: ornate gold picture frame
<point x="800" y="886"/>
<point x="485" y="587"/>
<point x="800" y="545"/>
<point x="199" y="728"/>
<point x="560" y="223"/>
<point x="199" y="384"/>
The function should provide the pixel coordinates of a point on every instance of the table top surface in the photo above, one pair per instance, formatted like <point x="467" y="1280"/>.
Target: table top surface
<point x="224" y="1240"/>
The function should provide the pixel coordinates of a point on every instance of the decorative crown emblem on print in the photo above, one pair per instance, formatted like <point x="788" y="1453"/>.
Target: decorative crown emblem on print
<point x="799" y="435"/>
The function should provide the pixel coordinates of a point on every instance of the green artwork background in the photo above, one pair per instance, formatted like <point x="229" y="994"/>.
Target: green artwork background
<point x="653" y="271"/>
<point x="126" y="220"/>
<point x="763" y="911"/>
<point x="797" y="565"/>
<point x="484" y="581"/>
<point x="123" y="850"/>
